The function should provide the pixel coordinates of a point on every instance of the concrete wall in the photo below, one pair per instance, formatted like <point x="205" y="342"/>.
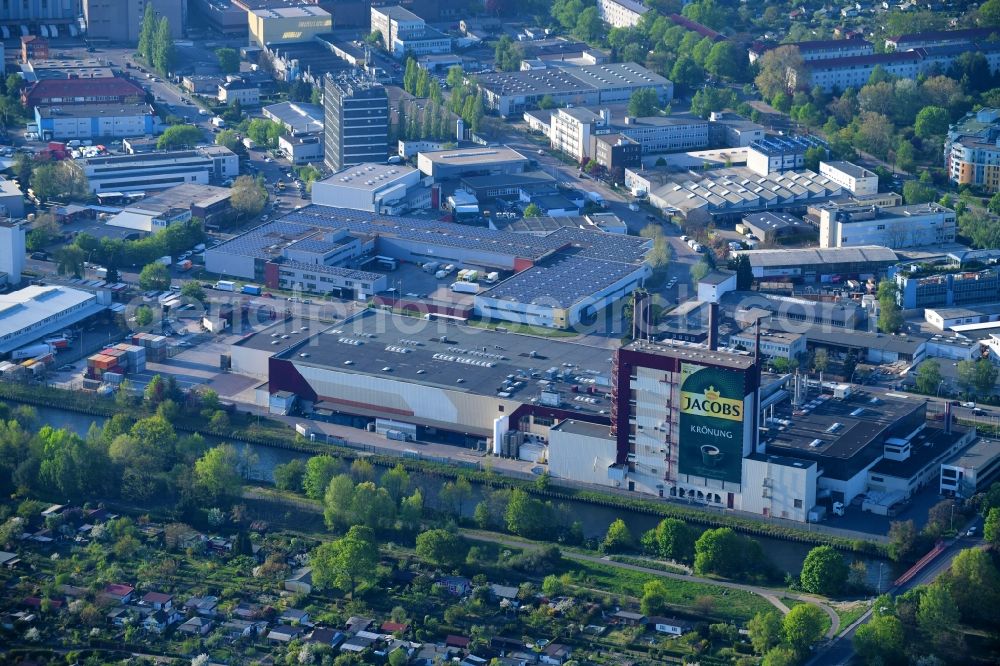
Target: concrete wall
<point x="223" y="263"/>
<point x="581" y="458"/>
<point x="780" y="490"/>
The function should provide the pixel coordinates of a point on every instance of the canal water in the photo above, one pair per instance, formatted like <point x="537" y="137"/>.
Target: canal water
<point x="786" y="555"/>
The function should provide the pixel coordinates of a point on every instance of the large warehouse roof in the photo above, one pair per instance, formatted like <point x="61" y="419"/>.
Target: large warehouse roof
<point x="35" y="311"/>
<point x="819" y="256"/>
<point x="459" y="358"/>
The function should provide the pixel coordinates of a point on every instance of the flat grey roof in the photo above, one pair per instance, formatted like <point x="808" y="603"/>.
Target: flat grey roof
<point x="584" y="428"/>
<point x="851" y="169"/>
<point x="441" y="353"/>
<point x="819" y="256"/>
<point x="91" y="110"/>
<point x="980" y="454"/>
<point x="717" y="277"/>
<point x="467" y="156"/>
<point x="692" y="353"/>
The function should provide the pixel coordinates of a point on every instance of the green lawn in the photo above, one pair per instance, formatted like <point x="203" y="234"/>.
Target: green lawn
<point x="649" y="564"/>
<point x="728" y="604"/>
<point x="849" y="613"/>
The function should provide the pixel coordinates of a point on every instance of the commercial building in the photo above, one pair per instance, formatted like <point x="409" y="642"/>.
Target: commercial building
<point x="776" y="227"/>
<point x="573" y="131"/>
<point x="730" y="129"/>
<point x="247" y="93"/>
<point x="158" y="171"/>
<point x="727" y="194"/>
<point x="223" y="15"/>
<point x="376" y="188"/>
<point x="855" y="179"/>
<point x="895" y="227"/>
<point x="92" y="121"/>
<point x="512" y="93"/>
<point x="11" y="199"/>
<point x="621" y="13"/>
<point x="824" y="49"/>
<point x="12" y="236"/>
<point x="616" y="152"/>
<point x="921" y="288"/>
<point x="33" y="47"/>
<point x="973" y="471"/>
<point x="302" y="148"/>
<point x="296" y="117"/>
<point x="34" y="312"/>
<point x="972" y="156"/>
<point x="773" y="344"/>
<point x="715" y="285"/>
<point x="279" y="25"/>
<point x="175" y="205"/>
<point x="356" y="122"/>
<point x="37" y="13"/>
<point x="820" y="265"/>
<point x="203" y="84"/>
<point x="116" y="90"/>
<point x="777" y="153"/>
<point x="121" y="20"/>
<point x="476" y="161"/>
<point x="66" y="68"/>
<point x="789" y="313"/>
<point x="920" y="40"/>
<point x="403" y="32"/>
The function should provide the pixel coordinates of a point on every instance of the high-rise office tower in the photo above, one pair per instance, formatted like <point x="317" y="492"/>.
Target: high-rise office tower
<point x="356" y="122"/>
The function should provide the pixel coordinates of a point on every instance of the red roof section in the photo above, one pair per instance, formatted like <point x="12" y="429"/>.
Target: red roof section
<point x="118" y="589"/>
<point x="456" y="641"/>
<point x="157" y="598"/>
<point x="392" y="627"/>
<point x="114" y="86"/>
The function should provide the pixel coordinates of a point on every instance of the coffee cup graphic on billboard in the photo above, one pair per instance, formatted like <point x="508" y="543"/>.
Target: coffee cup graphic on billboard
<point x="711" y="422"/>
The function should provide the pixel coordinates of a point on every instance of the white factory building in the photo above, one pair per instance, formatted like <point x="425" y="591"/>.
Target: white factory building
<point x="857" y="180"/>
<point x="376" y="188"/>
<point x="12" y="237"/>
<point x="35" y="312"/>
<point x="926" y="224"/>
<point x="160" y="170"/>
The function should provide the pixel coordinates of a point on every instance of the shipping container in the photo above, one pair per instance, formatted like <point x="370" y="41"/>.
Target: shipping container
<point x="31" y="351"/>
<point x="253" y="289"/>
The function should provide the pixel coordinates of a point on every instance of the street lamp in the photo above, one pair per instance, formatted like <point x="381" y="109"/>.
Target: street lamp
<point x="940" y="384"/>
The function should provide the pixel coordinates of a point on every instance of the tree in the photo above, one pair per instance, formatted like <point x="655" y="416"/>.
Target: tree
<point x="890" y="319"/>
<point x="227" y="138"/>
<point x="454" y="494"/>
<point x="143" y="316"/>
<point x="686" y="73"/>
<point x="410" y="76"/>
<point x="725" y="61"/>
<point x="372" y="506"/>
<point x="643" y="103"/>
<point x="979" y="376"/>
<point x="915" y="192"/>
<point x="618" y="538"/>
<point x="193" y="291"/>
<point x="264" y="132"/>
<point x="59" y="180"/>
<point x="147" y="33"/>
<point x="655" y="598"/>
<point x="346" y="562"/>
<point x="547" y="102"/>
<point x="989" y="13"/>
<point x="532" y="210"/>
<point x="318" y="473"/>
<point x="396" y="482"/>
<point x="881" y="640"/>
<point x="781" y="70"/>
<point x="991" y="527"/>
<point x="928" y="378"/>
<point x="525" y="516"/>
<point x="937" y="613"/>
<point x="718" y="551"/>
<point x="814" y="155"/>
<point x="289" y="476"/>
<point x="180" y="136"/>
<point x="588" y="25"/>
<point x="902" y="539"/>
<point x="974" y="584"/>
<point x="931" y="121"/>
<point x="338" y="501"/>
<point x="765" y="631"/>
<point x="507" y="56"/>
<point x="217" y="473"/>
<point x="248" y="196"/>
<point x="229" y="60"/>
<point x="874" y="134"/>
<point x="154" y="277"/>
<point x="699" y="270"/>
<point x="803" y="626"/>
<point x="441" y="547"/>
<point x="824" y="571"/>
<point x="674" y="540"/>
<point x="744" y="273"/>
<point x="781" y="655"/>
<point x="163" y="47"/>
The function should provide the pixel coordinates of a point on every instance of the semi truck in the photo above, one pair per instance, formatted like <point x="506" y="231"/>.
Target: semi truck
<point x="596" y="198"/>
<point x="465" y="287"/>
<point x="31" y="351"/>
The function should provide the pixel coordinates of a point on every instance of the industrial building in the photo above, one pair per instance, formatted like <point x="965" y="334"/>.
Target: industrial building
<point x="920" y="288"/>
<point x="34" y="312"/>
<point x="777" y="153"/>
<point x="298" y="23"/>
<point x="296" y="117"/>
<point x="475" y="161"/>
<point x="559" y="279"/>
<point x="574" y="131"/>
<point x="94" y="121"/>
<point x="376" y="188"/>
<point x="176" y="205"/>
<point x="12" y="238"/>
<point x="11" y="199"/>
<point x="512" y="93"/>
<point x="158" y="171"/>
<point x="356" y="122"/>
<point x="820" y="265"/>
<point x="115" y="90"/>
<point x="66" y="68"/>
<point x="121" y="21"/>
<point x="972" y="471"/>
<point x="855" y="179"/>
<point x="302" y="148"/>
<point x="403" y="32"/>
<point x="776" y="227"/>
<point x="846" y="225"/>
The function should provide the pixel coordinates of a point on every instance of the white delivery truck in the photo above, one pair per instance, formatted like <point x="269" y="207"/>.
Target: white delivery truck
<point x="465" y="287"/>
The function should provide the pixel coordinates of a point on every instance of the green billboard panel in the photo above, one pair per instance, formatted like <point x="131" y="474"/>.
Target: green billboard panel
<point x="711" y="422"/>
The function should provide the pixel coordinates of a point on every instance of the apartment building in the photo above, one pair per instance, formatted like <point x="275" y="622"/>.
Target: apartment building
<point x="825" y="49"/>
<point x="403" y="32"/>
<point x="971" y="150"/>
<point x="621" y="13"/>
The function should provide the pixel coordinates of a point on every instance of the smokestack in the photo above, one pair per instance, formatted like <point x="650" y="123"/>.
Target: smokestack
<point x="947" y="418"/>
<point x="640" y="315"/>
<point x="713" y="326"/>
